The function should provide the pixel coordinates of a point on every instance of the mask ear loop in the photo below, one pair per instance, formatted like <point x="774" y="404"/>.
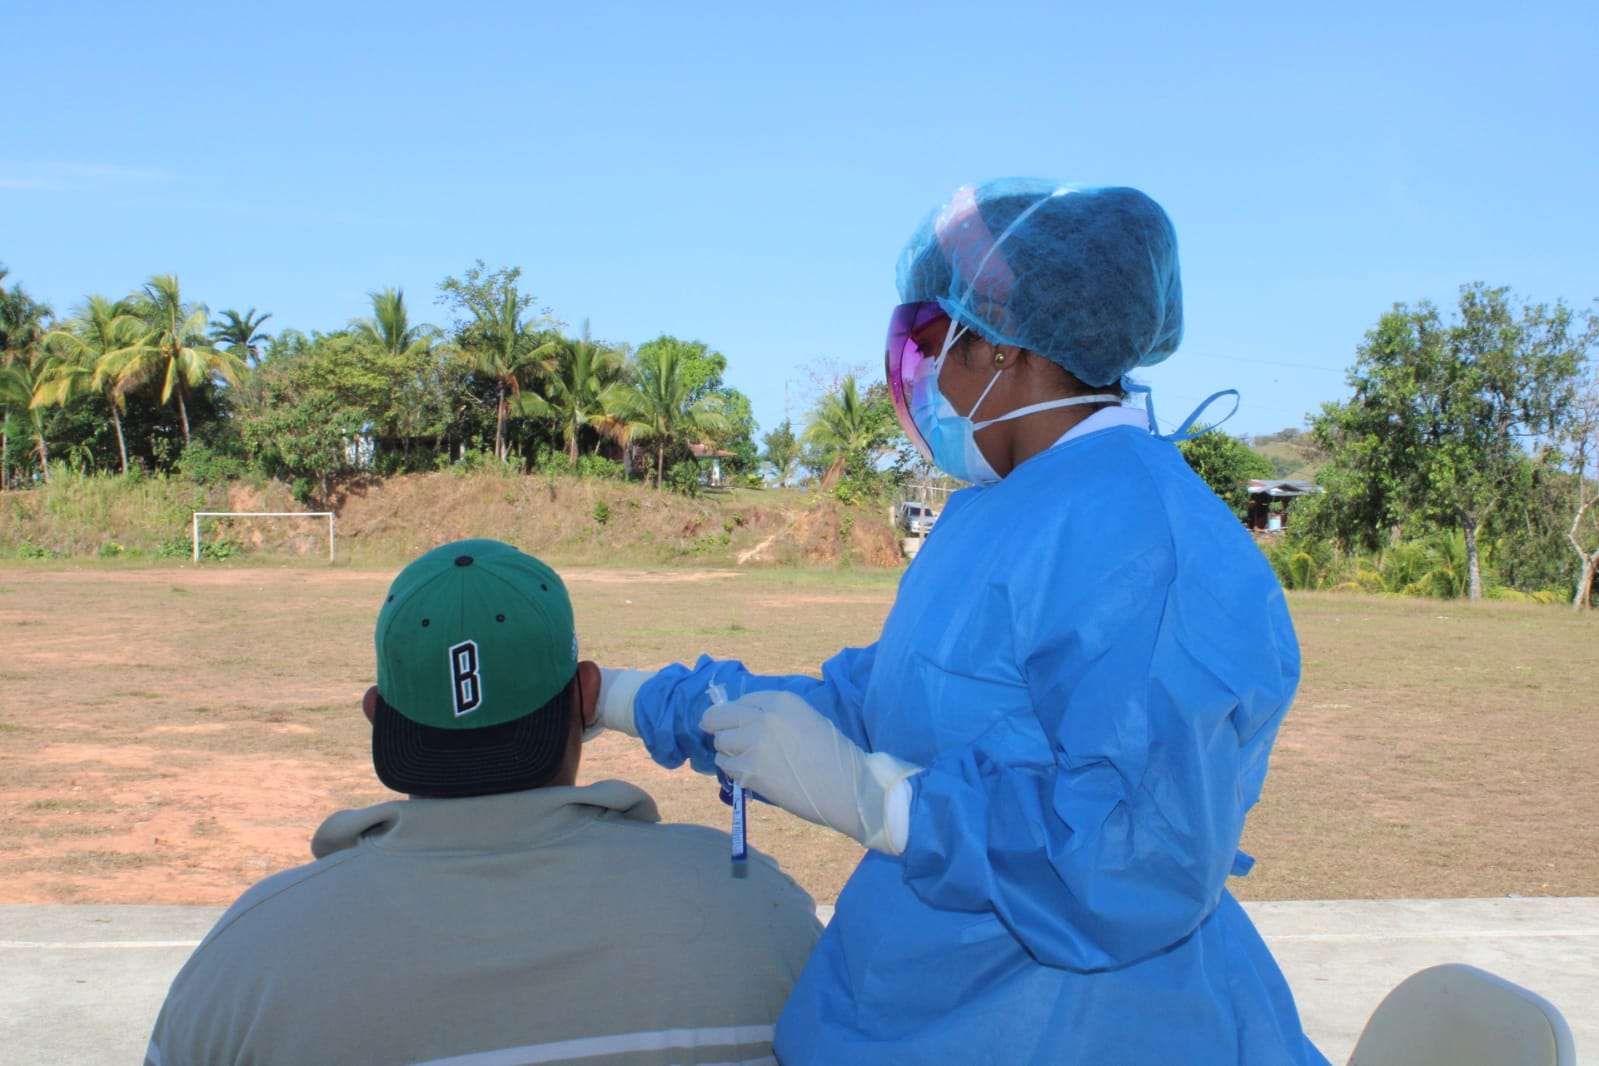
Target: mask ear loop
<point x="1186" y="430"/>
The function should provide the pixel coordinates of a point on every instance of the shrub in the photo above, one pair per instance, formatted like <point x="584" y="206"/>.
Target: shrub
<point x="597" y="466"/>
<point x="684" y="477"/>
<point x="204" y="465"/>
<point x="602" y="512"/>
<point x="480" y="461"/>
<point x="183" y="548"/>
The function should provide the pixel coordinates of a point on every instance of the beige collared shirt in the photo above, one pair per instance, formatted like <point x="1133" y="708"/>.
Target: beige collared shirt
<point x="560" y="925"/>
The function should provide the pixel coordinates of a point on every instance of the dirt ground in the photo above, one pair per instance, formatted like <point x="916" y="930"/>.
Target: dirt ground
<point x="172" y="734"/>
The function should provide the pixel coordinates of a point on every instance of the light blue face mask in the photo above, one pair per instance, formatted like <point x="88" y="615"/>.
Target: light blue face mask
<point x="952" y="436"/>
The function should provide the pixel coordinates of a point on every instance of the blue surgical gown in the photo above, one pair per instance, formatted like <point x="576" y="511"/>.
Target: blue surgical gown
<point x="1091" y="660"/>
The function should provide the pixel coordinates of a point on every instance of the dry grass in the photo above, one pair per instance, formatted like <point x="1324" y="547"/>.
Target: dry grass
<point x="172" y="735"/>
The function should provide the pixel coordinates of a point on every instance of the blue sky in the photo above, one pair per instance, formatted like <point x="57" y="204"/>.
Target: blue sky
<point x="747" y="177"/>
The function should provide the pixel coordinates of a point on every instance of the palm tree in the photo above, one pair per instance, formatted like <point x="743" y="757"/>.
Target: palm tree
<point x="20" y="382"/>
<point x="661" y="408"/>
<point x="24" y="322"/>
<point x="841" y="427"/>
<point x="782" y="452"/>
<point x="504" y="345"/>
<point x="584" y="389"/>
<point x="414" y="370"/>
<point x="507" y="351"/>
<point x="241" y="333"/>
<point x="183" y="354"/>
<point x="390" y="326"/>
<point x="106" y="349"/>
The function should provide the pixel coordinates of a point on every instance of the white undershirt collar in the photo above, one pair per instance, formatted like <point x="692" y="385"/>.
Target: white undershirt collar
<point x="1106" y="418"/>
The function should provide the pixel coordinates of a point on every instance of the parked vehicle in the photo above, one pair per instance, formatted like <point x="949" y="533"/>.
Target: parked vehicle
<point x="917" y="518"/>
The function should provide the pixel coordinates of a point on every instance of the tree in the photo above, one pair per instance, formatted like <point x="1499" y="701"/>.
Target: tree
<point x="665" y="410"/>
<point x="1226" y="464"/>
<point x="24" y="322"/>
<point x="846" y="426"/>
<point x="1579" y="443"/>
<point x="241" y="333"/>
<point x="390" y="326"/>
<point x="704" y="369"/>
<point x="782" y="452"/>
<point x="1441" y="410"/>
<point x="584" y="389"/>
<point x="416" y="405"/>
<point x="103" y="350"/>
<point x="183" y="353"/>
<point x="20" y="391"/>
<point x="493" y="327"/>
<point x="304" y="413"/>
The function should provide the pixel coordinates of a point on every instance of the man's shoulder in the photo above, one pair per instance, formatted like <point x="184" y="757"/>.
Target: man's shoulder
<point x="697" y="860"/>
<point x="276" y="897"/>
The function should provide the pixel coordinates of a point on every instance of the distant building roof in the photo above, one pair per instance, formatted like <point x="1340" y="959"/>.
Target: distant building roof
<point x="706" y="451"/>
<point x="1279" y="490"/>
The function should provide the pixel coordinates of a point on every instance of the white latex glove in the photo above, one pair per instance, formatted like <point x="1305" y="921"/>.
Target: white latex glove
<point x="617" y="689"/>
<point x="776" y="744"/>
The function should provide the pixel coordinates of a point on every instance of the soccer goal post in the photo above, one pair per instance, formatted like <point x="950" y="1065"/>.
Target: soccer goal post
<point x="264" y="514"/>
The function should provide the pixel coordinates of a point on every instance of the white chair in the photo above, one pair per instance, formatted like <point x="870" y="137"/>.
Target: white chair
<point x="1458" y="1015"/>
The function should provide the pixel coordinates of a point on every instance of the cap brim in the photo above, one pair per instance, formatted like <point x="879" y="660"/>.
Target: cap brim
<point x="423" y="760"/>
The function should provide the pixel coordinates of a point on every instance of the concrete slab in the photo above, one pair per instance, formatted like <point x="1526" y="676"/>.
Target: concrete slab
<point x="83" y="984"/>
<point x="1342" y="957"/>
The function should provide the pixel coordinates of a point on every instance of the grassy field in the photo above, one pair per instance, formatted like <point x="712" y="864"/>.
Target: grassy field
<point x="172" y="734"/>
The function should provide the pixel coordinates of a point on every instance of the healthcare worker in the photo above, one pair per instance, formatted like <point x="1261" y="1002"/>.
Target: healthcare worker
<point x="1050" y="750"/>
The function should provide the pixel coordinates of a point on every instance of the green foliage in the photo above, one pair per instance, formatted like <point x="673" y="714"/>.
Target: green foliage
<point x="584" y="390"/>
<point x="602" y="512"/>
<point x="242" y="334"/>
<point x="782" y="452"/>
<point x="684" y="477"/>
<point x="671" y="407"/>
<point x="1433" y="434"/>
<point x="304" y="417"/>
<point x="181" y="354"/>
<point x="1435" y="565"/>
<point x="598" y="466"/>
<point x="1226" y="464"/>
<point x="553" y="463"/>
<point x="1304" y="564"/>
<point x="848" y="433"/>
<point x="506" y="341"/>
<point x="206" y="465"/>
<point x="701" y="369"/>
<point x="479" y="461"/>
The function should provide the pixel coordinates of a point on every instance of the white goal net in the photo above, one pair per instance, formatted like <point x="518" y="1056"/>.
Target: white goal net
<point x="199" y="515"/>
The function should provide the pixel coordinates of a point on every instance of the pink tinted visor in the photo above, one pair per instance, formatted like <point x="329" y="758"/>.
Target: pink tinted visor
<point x="904" y="358"/>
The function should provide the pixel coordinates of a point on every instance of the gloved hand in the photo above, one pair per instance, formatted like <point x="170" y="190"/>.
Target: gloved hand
<point x="617" y="689"/>
<point x="780" y="746"/>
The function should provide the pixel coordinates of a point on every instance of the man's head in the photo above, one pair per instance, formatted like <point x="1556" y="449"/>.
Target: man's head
<point x="479" y="686"/>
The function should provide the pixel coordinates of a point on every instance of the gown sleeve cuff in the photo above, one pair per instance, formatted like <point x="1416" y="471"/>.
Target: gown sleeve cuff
<point x="897" y="816"/>
<point x="617" y="691"/>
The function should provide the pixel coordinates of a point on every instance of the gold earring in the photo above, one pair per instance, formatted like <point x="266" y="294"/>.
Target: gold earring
<point x="999" y="358"/>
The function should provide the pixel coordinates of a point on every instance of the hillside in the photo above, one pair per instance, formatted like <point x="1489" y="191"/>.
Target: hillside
<point x="381" y="522"/>
<point x="1291" y="454"/>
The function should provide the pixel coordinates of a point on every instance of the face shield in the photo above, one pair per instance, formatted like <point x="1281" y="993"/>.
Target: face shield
<point x="904" y="358"/>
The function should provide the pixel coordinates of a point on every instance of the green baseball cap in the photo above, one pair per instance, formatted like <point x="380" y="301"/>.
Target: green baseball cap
<point x="475" y="658"/>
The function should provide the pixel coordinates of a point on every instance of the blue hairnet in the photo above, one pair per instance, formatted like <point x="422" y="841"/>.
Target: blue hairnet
<point x="1086" y="278"/>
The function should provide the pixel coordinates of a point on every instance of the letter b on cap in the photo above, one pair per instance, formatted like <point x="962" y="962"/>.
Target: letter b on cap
<point x="468" y="682"/>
